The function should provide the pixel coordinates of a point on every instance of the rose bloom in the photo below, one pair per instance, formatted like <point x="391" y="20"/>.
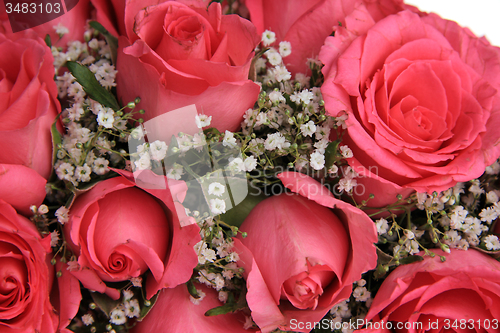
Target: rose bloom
<point x="300" y="256"/>
<point x="25" y="276"/>
<point x="435" y="294"/>
<point x="421" y="96"/>
<point x="74" y="20"/>
<point x="176" y="311"/>
<point x="306" y="24"/>
<point x="119" y="231"/>
<point x="183" y="54"/>
<point x="28" y="102"/>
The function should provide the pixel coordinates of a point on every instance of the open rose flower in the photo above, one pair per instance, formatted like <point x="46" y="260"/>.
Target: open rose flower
<point x="119" y="231"/>
<point x="187" y="54"/>
<point x="300" y="256"/>
<point x="433" y="294"/>
<point x="28" y="102"/>
<point x="25" y="276"/>
<point x="306" y="24"/>
<point x="189" y="314"/>
<point x="422" y="99"/>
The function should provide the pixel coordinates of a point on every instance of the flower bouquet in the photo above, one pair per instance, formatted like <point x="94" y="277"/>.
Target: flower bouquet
<point x="246" y="166"/>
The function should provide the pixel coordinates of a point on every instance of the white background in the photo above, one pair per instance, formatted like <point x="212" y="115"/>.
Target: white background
<point x="480" y="16"/>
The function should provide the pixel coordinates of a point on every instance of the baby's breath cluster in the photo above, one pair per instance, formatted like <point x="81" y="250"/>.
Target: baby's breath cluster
<point x="289" y="126"/>
<point x="94" y="135"/>
<point x="461" y="217"/>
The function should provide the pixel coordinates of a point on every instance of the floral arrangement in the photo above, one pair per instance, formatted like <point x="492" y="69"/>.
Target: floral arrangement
<point x="247" y="166"/>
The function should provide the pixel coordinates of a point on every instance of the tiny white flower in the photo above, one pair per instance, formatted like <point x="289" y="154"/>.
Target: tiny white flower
<point x="488" y="215"/>
<point x="361" y="294"/>
<point x="100" y="166"/>
<point x="216" y="188"/>
<point x="60" y="29"/>
<point x="132" y="308"/>
<point x="127" y="295"/>
<point x="54" y="238"/>
<point x="65" y="171"/>
<point x="62" y="214"/>
<point x="106" y="118"/>
<point x="229" y="140"/>
<point x="346" y="152"/>
<point x="306" y="96"/>
<point x="217" y="206"/>
<point x="276" y="96"/>
<point x="117" y="316"/>
<point x="382" y="226"/>
<point x="308" y="129"/>
<point x="347" y="184"/>
<point x="285" y="48"/>
<point x="317" y="160"/>
<point x="201" y="296"/>
<point x="223" y="295"/>
<point x="491" y="242"/>
<point x="143" y="163"/>
<point x="273" y="57"/>
<point x="82" y="173"/>
<point x="136" y="281"/>
<point x="158" y="150"/>
<point x="492" y="197"/>
<point x="250" y="163"/>
<point x="281" y="74"/>
<point x="176" y="172"/>
<point x="268" y="37"/>
<point x="73" y="265"/>
<point x="202" y="120"/>
<point x="87" y="319"/>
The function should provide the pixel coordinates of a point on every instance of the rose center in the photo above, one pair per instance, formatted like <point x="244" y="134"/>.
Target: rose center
<point x="13" y="276"/>
<point x="304" y="289"/>
<point x="185" y="29"/>
<point x="5" y="84"/>
<point x="117" y="262"/>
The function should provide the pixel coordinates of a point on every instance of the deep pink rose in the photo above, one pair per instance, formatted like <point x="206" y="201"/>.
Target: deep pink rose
<point x="300" y="256"/>
<point x="119" y="231"/>
<point x="183" y="54"/>
<point x="28" y="102"/>
<point x="25" y="276"/>
<point x="422" y="99"/>
<point x="174" y="311"/>
<point x="306" y="23"/>
<point x="74" y="20"/>
<point x="464" y="288"/>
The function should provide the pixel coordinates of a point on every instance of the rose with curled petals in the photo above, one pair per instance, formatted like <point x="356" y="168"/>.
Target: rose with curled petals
<point x="119" y="231"/>
<point x="422" y="96"/>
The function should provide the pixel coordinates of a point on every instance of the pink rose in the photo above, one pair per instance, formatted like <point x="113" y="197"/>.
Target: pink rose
<point x="435" y="294"/>
<point x="421" y="95"/>
<point x="300" y="256"/>
<point x="28" y="102"/>
<point x="306" y="24"/>
<point x="183" y="54"/>
<point x="25" y="276"/>
<point x="74" y="20"/>
<point x="119" y="231"/>
<point x="175" y="311"/>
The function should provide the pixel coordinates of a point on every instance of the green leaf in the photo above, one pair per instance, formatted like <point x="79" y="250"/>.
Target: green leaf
<point x="91" y="86"/>
<point x="48" y="41"/>
<point x="410" y="259"/>
<point x="145" y="309"/>
<point x="104" y="302"/>
<point x="56" y="141"/>
<point x="331" y="154"/>
<point x="110" y="39"/>
<point x="192" y="289"/>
